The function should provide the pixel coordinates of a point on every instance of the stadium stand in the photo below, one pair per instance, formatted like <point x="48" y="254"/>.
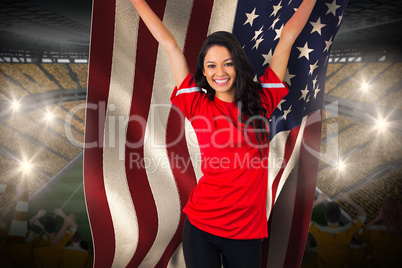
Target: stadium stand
<point x="81" y="71"/>
<point x="364" y="151"/>
<point x="373" y="194"/>
<point x="353" y="84"/>
<point x="341" y="73"/>
<point x="38" y="135"/>
<point x="63" y="75"/>
<point x="19" y="80"/>
<point x="27" y="76"/>
<point x="11" y="90"/>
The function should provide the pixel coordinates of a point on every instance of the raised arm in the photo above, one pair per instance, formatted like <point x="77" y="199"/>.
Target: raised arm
<point x="69" y="221"/>
<point x="290" y="32"/>
<point x="60" y="212"/>
<point x="359" y="210"/>
<point x="165" y="38"/>
<point x="36" y="218"/>
<point x="320" y="199"/>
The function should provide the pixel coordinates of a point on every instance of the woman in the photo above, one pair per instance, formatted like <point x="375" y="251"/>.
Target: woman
<point x="226" y="212"/>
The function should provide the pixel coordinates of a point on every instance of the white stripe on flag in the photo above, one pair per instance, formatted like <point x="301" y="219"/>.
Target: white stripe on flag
<point x="177" y="260"/>
<point x="159" y="173"/>
<point x="276" y="158"/>
<point x="120" y="93"/>
<point x="294" y="158"/>
<point x="280" y="228"/>
<point x="223" y="15"/>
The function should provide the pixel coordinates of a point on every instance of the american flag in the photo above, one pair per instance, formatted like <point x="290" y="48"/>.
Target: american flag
<point x="141" y="159"/>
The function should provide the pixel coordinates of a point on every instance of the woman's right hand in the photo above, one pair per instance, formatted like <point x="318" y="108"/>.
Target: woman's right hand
<point x="165" y="38"/>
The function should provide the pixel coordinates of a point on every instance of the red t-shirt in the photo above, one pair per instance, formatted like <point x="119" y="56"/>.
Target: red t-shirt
<point x="230" y="198"/>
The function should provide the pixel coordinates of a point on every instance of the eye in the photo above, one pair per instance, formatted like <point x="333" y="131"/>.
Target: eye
<point x="211" y="66"/>
<point x="229" y="64"/>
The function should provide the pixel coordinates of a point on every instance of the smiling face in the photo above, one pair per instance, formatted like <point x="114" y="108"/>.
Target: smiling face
<point x="220" y="72"/>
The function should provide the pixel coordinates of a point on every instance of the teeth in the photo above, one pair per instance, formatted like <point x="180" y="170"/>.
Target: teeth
<point x="222" y="81"/>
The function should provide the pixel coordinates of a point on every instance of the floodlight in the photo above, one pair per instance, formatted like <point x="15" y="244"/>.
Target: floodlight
<point x="381" y="124"/>
<point x="15" y="105"/>
<point x="49" y="116"/>
<point x="365" y="87"/>
<point x="26" y="166"/>
<point x="341" y="165"/>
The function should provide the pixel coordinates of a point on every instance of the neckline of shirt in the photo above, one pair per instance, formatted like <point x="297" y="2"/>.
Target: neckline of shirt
<point x="224" y="102"/>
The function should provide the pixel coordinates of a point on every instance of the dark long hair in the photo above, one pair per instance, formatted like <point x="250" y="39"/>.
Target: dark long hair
<point x="247" y="91"/>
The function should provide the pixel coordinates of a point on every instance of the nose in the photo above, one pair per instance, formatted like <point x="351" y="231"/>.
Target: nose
<point x="220" y="70"/>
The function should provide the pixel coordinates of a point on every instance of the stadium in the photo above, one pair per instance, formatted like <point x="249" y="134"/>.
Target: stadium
<point x="43" y="83"/>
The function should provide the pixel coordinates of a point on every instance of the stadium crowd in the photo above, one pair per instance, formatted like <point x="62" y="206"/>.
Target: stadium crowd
<point x="360" y="243"/>
<point x="46" y="244"/>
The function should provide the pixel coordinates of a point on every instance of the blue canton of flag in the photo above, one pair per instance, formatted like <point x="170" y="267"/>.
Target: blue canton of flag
<point x="258" y="25"/>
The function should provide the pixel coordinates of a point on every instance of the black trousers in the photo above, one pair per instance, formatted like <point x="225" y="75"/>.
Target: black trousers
<point x="204" y="250"/>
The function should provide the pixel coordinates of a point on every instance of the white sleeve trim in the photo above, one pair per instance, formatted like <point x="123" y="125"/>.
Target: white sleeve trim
<point x="188" y="90"/>
<point x="272" y="85"/>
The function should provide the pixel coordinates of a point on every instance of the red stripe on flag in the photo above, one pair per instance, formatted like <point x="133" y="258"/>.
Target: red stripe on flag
<point x="147" y="217"/>
<point x="197" y="30"/>
<point x="177" y="149"/>
<point x="290" y="144"/>
<point x="306" y="183"/>
<point x="97" y="97"/>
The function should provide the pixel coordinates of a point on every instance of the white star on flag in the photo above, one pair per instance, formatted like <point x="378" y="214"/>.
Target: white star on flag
<point x="304" y="93"/>
<point x="340" y="20"/>
<point x="257" y="33"/>
<point x="280" y="104"/>
<point x="276" y="9"/>
<point x="267" y="57"/>
<point x="251" y="17"/>
<point x="274" y="23"/>
<point x="288" y="76"/>
<point x="257" y="43"/>
<point x="317" y="26"/>
<point x="315" y="81"/>
<point x="286" y="112"/>
<point x="332" y="7"/>
<point x="313" y="67"/>
<point x="315" y="92"/>
<point x="328" y="44"/>
<point x="278" y="32"/>
<point x="304" y="51"/>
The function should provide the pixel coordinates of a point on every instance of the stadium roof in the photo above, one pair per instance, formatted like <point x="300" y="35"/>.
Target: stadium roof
<point x="37" y="26"/>
<point x="371" y="25"/>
